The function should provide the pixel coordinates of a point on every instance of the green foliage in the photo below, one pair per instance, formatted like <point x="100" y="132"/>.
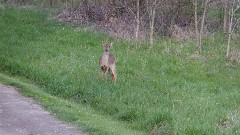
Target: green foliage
<point x="161" y="90"/>
<point x="80" y="115"/>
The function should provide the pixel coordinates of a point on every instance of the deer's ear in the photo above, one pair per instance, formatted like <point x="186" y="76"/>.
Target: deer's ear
<point x="111" y="43"/>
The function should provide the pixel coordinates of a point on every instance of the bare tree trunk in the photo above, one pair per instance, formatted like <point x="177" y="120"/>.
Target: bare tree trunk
<point x="152" y="13"/>
<point x="231" y="26"/>
<point x="137" y="22"/>
<point x="152" y="25"/>
<point x="225" y="17"/>
<point x="202" y="26"/>
<point x="196" y="25"/>
<point x="199" y="32"/>
<point x="203" y="17"/>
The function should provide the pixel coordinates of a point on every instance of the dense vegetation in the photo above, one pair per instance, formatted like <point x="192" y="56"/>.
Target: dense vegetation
<point x="162" y="90"/>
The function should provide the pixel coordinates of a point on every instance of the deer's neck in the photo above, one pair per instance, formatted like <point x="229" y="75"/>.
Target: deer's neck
<point x="106" y="52"/>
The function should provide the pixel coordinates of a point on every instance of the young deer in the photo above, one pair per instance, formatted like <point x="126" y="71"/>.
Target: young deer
<point x="107" y="63"/>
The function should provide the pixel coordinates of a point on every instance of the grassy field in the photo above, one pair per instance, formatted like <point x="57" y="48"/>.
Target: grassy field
<point x="158" y="91"/>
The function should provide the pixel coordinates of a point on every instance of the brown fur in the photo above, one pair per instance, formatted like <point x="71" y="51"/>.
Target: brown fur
<point x="107" y="63"/>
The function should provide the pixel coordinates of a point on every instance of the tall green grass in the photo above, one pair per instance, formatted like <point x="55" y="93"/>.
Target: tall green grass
<point x="159" y="90"/>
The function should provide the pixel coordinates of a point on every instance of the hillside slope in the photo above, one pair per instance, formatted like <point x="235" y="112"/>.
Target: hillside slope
<point x="160" y="90"/>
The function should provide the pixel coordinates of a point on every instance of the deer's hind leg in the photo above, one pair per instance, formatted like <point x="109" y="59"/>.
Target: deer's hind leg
<point x="102" y="75"/>
<point x="113" y="73"/>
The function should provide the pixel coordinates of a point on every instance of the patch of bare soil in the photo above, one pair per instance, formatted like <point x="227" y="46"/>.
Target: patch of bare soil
<point x="20" y="116"/>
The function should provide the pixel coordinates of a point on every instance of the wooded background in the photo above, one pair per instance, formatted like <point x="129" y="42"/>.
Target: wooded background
<point x="143" y="20"/>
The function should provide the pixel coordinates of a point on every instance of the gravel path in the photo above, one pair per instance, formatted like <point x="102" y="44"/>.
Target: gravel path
<point x="20" y="116"/>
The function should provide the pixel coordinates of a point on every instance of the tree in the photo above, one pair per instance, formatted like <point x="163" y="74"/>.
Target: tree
<point x="151" y="8"/>
<point x="137" y="18"/>
<point x="199" y="33"/>
<point x="137" y="21"/>
<point x="225" y="16"/>
<point x="233" y="21"/>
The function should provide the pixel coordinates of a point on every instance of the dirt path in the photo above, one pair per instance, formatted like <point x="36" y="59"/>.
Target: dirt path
<point x="20" y="116"/>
